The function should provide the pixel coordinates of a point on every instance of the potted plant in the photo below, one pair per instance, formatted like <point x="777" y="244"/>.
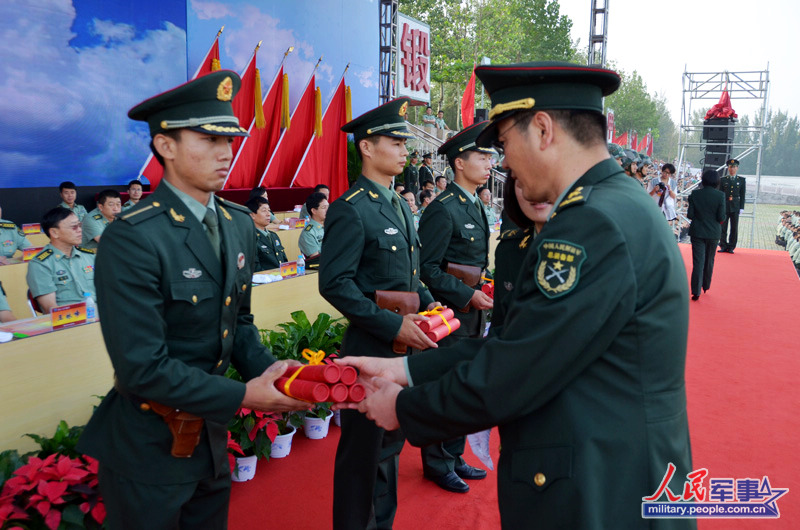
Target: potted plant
<point x="316" y="421"/>
<point x="287" y="426"/>
<point x="251" y="433"/>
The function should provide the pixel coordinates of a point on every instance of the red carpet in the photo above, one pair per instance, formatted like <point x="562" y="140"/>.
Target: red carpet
<point x="743" y="415"/>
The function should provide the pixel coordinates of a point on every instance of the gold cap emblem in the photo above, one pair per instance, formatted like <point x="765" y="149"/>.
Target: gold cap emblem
<point x="403" y="109"/>
<point x="225" y="90"/>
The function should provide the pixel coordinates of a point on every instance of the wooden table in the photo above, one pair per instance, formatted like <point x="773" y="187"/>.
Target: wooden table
<point x="16" y="286"/>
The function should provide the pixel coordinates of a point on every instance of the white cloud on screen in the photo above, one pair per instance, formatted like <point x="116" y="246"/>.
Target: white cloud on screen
<point x="366" y="77"/>
<point x="210" y="10"/>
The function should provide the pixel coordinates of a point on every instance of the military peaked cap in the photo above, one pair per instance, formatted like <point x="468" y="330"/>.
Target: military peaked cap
<point x="464" y="141"/>
<point x="732" y="162"/>
<point x="386" y="120"/>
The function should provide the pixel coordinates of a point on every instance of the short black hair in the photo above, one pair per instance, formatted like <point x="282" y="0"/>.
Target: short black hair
<point x="319" y="187"/>
<point x="463" y="156"/>
<point x="424" y="194"/>
<point x="480" y="189"/>
<point x="314" y="201"/>
<point x="710" y="178"/>
<point x="254" y="203"/>
<point x="668" y="167"/>
<point x="67" y="185"/>
<point x="406" y="190"/>
<point x="440" y="177"/>
<point x="258" y="191"/>
<point x="135" y="182"/>
<point x="175" y="134"/>
<point x="53" y="217"/>
<point x="511" y="205"/>
<point x="104" y="195"/>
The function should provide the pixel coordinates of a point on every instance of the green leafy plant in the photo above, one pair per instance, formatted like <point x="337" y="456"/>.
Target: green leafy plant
<point x="289" y="420"/>
<point x="10" y="461"/>
<point x="253" y="432"/>
<point x="324" y="334"/>
<point x="62" y="442"/>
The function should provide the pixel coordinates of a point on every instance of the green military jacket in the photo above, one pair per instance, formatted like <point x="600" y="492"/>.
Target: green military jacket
<point x="93" y="225"/>
<point x="12" y="239"/>
<point x="707" y="212"/>
<point x="586" y="378"/>
<point x="411" y="178"/>
<point x="452" y="230"/>
<point x="734" y="189"/>
<point x="509" y="254"/>
<point x="269" y="251"/>
<point x="425" y="175"/>
<point x="173" y="319"/>
<point x="367" y="248"/>
<point x="310" y="240"/>
<point x="50" y="271"/>
<point x="77" y="209"/>
<point x="128" y="204"/>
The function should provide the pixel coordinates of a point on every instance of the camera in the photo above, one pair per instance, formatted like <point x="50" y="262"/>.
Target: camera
<point x="661" y="186"/>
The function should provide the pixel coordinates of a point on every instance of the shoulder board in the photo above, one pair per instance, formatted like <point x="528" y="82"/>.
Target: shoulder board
<point x="443" y="198"/>
<point x="87" y="250"/>
<point x="308" y="228"/>
<point x="138" y="214"/>
<point x="508" y="234"/>
<point x="7" y="225"/>
<point x="43" y="255"/>
<point x="577" y="196"/>
<point x="355" y="196"/>
<point x="97" y="216"/>
<point x="233" y="206"/>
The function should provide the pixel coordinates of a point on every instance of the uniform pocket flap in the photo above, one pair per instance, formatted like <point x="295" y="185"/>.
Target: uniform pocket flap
<point x="540" y="467"/>
<point x="192" y="291"/>
<point x="469" y="235"/>
<point x="392" y="244"/>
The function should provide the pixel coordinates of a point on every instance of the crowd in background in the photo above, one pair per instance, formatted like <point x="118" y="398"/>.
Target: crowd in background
<point x="788" y="235"/>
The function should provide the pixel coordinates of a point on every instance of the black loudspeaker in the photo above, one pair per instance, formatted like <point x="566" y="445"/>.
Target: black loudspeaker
<point x="714" y="160"/>
<point x="719" y="130"/>
<point x="481" y="115"/>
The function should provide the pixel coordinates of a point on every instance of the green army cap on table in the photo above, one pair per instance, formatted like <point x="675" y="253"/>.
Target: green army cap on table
<point x="543" y="85"/>
<point x="465" y="141"/>
<point x="202" y="105"/>
<point x="732" y="162"/>
<point x="386" y="120"/>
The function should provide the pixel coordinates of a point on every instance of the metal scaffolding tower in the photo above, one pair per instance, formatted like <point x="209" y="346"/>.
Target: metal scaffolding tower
<point x="753" y="85"/>
<point x="388" y="49"/>
<point x="598" y="32"/>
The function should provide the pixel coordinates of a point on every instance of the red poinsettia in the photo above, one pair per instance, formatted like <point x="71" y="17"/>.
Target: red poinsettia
<point x="251" y="432"/>
<point x="44" y="491"/>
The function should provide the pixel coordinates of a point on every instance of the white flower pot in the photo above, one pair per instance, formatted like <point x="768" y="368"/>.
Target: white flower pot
<point x="247" y="468"/>
<point x="282" y="445"/>
<point x="337" y="418"/>
<point x="315" y="428"/>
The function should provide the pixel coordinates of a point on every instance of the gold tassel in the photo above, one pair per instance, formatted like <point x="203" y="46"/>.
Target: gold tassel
<point x="348" y="106"/>
<point x="318" y="113"/>
<point x="260" y="121"/>
<point x="285" y="122"/>
<point x="215" y="65"/>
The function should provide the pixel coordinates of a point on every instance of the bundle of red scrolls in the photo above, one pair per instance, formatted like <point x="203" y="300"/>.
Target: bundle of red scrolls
<point x="441" y="323"/>
<point x="318" y="383"/>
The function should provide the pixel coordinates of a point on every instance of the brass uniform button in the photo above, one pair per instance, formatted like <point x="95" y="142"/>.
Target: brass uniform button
<point x="473" y="239"/>
<point x="244" y="287"/>
<point x="156" y="204"/>
<point x="145" y="406"/>
<point x="219" y="363"/>
<point x="394" y="248"/>
<point x="415" y="272"/>
<point x="194" y="298"/>
<point x="228" y="301"/>
<point x="225" y="334"/>
<point x="539" y="479"/>
<point x="412" y="248"/>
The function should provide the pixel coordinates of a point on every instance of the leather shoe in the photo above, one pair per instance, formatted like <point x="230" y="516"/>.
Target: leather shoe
<point x="729" y="251"/>
<point x="723" y="250"/>
<point x="468" y="472"/>
<point x="695" y="297"/>
<point x="449" y="482"/>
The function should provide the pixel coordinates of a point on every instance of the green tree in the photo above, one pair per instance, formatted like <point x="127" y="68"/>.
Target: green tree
<point x="634" y="109"/>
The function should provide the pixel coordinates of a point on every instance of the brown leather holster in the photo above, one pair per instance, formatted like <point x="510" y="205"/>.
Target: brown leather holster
<point x="400" y="302"/>
<point x="470" y="275"/>
<point x="185" y="428"/>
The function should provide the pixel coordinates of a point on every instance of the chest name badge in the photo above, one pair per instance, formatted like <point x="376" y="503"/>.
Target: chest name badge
<point x="390" y="231"/>
<point x="192" y="273"/>
<point x="469" y="226"/>
<point x="559" y="266"/>
<point x="240" y="260"/>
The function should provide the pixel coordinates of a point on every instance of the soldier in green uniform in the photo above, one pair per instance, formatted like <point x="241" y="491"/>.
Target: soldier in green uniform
<point x="69" y="194"/>
<point x="269" y="249"/>
<point x="734" y="189"/>
<point x="586" y="378"/>
<point x="134" y="194"/>
<point x="12" y="239"/>
<point x="109" y="205"/>
<point x="174" y="318"/>
<point x="310" y="241"/>
<point x="371" y="251"/>
<point x="426" y="170"/>
<point x="411" y="173"/>
<point x="319" y="188"/>
<point x="62" y="271"/>
<point x="454" y="234"/>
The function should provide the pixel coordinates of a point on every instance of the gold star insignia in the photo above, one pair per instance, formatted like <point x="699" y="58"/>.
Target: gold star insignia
<point x="558" y="265"/>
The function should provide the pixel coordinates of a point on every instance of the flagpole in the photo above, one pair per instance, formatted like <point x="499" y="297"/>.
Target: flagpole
<point x="209" y="51"/>
<point x="313" y="137"/>
<point x="280" y="140"/>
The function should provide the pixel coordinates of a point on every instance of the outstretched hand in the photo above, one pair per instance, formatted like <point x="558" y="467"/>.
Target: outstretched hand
<point x="261" y="394"/>
<point x="381" y="402"/>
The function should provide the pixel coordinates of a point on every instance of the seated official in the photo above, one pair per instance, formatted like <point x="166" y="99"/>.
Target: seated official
<point x="12" y="239"/>
<point x="399" y="187"/>
<point x="69" y="194"/>
<point x="62" y="271"/>
<point x="310" y="241"/>
<point x="319" y="188"/>
<point x="485" y="195"/>
<point x="109" y="204"/>
<point x="425" y="198"/>
<point x="441" y="184"/>
<point x="408" y="195"/>
<point x="5" y="310"/>
<point x="261" y="191"/>
<point x="269" y="249"/>
<point x="135" y="191"/>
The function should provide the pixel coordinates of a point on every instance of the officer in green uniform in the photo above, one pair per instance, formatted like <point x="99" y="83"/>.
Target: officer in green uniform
<point x="69" y="193"/>
<point x="426" y="170"/>
<point x="62" y="271"/>
<point x="12" y="239"/>
<point x="269" y="249"/>
<point x="454" y="232"/>
<point x="734" y="189"/>
<point x="586" y="378"/>
<point x="411" y="173"/>
<point x="310" y="240"/>
<point x="173" y="320"/>
<point x="109" y="205"/>
<point x="371" y="246"/>
<point x="134" y="194"/>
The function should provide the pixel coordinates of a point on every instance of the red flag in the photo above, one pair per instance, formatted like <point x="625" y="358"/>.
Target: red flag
<point x="468" y="102"/>
<point x="642" y="147"/>
<point x="151" y="169"/>
<point x="622" y="140"/>
<point x="325" y="159"/>
<point x="634" y="139"/>
<point x="251" y="159"/>
<point x="649" y="144"/>
<point x="292" y="143"/>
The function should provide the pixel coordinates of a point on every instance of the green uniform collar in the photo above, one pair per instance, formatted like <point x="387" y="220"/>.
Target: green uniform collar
<point x="315" y="224"/>
<point x="472" y="196"/>
<point x="384" y="191"/>
<point x="195" y="207"/>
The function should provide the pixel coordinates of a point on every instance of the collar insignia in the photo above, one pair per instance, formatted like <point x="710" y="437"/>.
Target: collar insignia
<point x="192" y="273"/>
<point x="462" y="198"/>
<point x="175" y="215"/>
<point x="390" y="231"/>
<point x="373" y="195"/>
<point x="226" y="214"/>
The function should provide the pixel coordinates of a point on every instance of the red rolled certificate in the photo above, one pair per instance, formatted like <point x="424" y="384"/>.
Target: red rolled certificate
<point x="349" y="375"/>
<point x="310" y="391"/>
<point x="434" y="321"/>
<point x="440" y="332"/>
<point x="324" y="373"/>
<point x="357" y="393"/>
<point x="488" y="289"/>
<point x="339" y="393"/>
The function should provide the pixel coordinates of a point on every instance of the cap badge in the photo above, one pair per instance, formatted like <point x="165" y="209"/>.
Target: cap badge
<point x="240" y="260"/>
<point x="403" y="109"/>
<point x="192" y="273"/>
<point x="225" y="90"/>
<point x="390" y="231"/>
